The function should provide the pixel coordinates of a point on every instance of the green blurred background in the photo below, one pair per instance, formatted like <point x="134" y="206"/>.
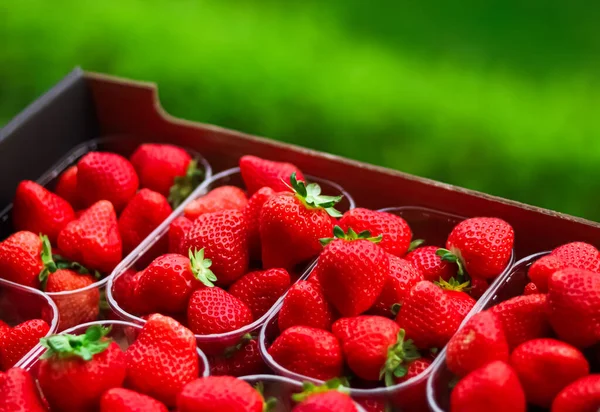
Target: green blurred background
<point x="498" y="96"/>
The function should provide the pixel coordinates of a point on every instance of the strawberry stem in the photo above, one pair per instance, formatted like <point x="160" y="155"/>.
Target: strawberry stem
<point x="310" y="195"/>
<point x="309" y="388"/>
<point x="201" y="268"/>
<point x="92" y="342"/>
<point x="351" y="235"/>
<point x="183" y="186"/>
<point x="399" y="355"/>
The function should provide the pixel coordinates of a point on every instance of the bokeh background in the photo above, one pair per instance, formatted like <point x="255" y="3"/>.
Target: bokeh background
<point x="498" y="96"/>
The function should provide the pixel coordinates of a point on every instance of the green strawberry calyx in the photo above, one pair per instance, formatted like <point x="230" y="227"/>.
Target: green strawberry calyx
<point x="453" y="284"/>
<point x="201" y="268"/>
<point x="453" y="257"/>
<point x="92" y="342"/>
<point x="309" y="388"/>
<point x="183" y="186"/>
<point x="415" y="244"/>
<point x="311" y="197"/>
<point x="351" y="235"/>
<point x="231" y="350"/>
<point x="399" y="356"/>
<point x="269" y="404"/>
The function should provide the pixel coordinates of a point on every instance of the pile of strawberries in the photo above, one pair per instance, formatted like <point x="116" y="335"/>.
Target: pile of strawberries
<point x="538" y="348"/>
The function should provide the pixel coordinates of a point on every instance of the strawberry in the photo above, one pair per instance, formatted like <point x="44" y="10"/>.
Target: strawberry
<point x="481" y="340"/>
<point x="530" y="289"/>
<point x="542" y="269"/>
<point x="177" y="230"/>
<point x="583" y="395"/>
<point x="240" y="360"/>
<point x="304" y="304"/>
<point x="106" y="176"/>
<point x="291" y="224"/>
<point x="77" y="369"/>
<point x="308" y="351"/>
<point x="483" y="245"/>
<point x="252" y="212"/>
<point x="19" y="340"/>
<point x="20" y="258"/>
<point x="323" y="398"/>
<point x="40" y="211"/>
<point x="123" y="290"/>
<point x="394" y="230"/>
<point x="430" y="264"/>
<point x="3" y="328"/>
<point x="223" y="236"/>
<point x="352" y="271"/>
<point x="219" y="394"/>
<point x="93" y="239"/>
<point x="162" y="359"/>
<point x="258" y="173"/>
<point x="492" y="388"/>
<point x="545" y="367"/>
<point x="213" y="310"/>
<point x="574" y="306"/>
<point x="260" y="290"/>
<point x="402" y="276"/>
<point x="414" y="368"/>
<point x="523" y="318"/>
<point x="413" y="399"/>
<point x="125" y="400"/>
<point x="66" y="186"/>
<point x="579" y="255"/>
<point x="144" y="212"/>
<point x="431" y="314"/>
<point x="18" y="392"/>
<point x="221" y="198"/>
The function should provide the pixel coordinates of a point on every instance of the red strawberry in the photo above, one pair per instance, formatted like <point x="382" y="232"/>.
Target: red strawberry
<point x="583" y="395"/>
<point x="260" y="290"/>
<point x="542" y="269"/>
<point x="480" y="341"/>
<point x="93" y="239"/>
<point x="123" y="290"/>
<point x="352" y="271"/>
<point x="402" y="276"/>
<point x="482" y="244"/>
<point x="106" y="176"/>
<point x="252" y="212"/>
<point x="76" y="370"/>
<point x="258" y="173"/>
<point x="125" y="400"/>
<point x="213" y="310"/>
<point x="40" y="211"/>
<point x="579" y="255"/>
<point x="304" y="304"/>
<point x="221" y="198"/>
<point x="18" y="392"/>
<point x="574" y="306"/>
<point x="224" y="238"/>
<point x="20" y="260"/>
<point x="414" y="368"/>
<point x="18" y="341"/>
<point x="523" y="318"/>
<point x="492" y="388"/>
<point x="144" y="212"/>
<point x="219" y="394"/>
<point x="177" y="230"/>
<point x="66" y="186"/>
<point x="162" y="359"/>
<point x="430" y="315"/>
<point x="530" y="289"/>
<point x="394" y="230"/>
<point x="478" y="287"/>
<point x="291" y="225"/>
<point x="3" y="328"/>
<point x="240" y="360"/>
<point x="330" y="400"/>
<point x="545" y="367"/>
<point x="413" y="399"/>
<point x="430" y="264"/>
<point x="308" y="351"/>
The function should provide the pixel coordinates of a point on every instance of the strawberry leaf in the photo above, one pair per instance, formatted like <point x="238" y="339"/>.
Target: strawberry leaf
<point x="449" y="256"/>
<point x="415" y="244"/>
<point x="309" y="388"/>
<point x="399" y="356"/>
<point x="310" y="195"/>
<point x="85" y="346"/>
<point x="201" y="268"/>
<point x="183" y="186"/>
<point x="338" y="233"/>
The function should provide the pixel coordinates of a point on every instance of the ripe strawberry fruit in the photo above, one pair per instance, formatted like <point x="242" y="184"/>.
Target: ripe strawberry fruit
<point x="523" y="318"/>
<point x="125" y="400"/>
<point x="482" y="244"/>
<point x="308" y="351"/>
<point x="579" y="255"/>
<point x="162" y="359"/>
<point x="395" y="232"/>
<point x="258" y="173"/>
<point x="76" y="370"/>
<point x="66" y="187"/>
<point x="40" y="211"/>
<point x="213" y="310"/>
<point x="93" y="239"/>
<point x="494" y="387"/>
<point x="574" y="306"/>
<point x="530" y="289"/>
<point x="224" y="237"/>
<point x="480" y="341"/>
<point x="478" y="287"/>
<point x="177" y="230"/>
<point x="252" y="212"/>
<point x="291" y="224"/>
<point x="17" y="341"/>
<point x="217" y="394"/>
<point x="106" y="176"/>
<point x="542" y="269"/>
<point x="402" y="276"/>
<point x="123" y="291"/>
<point x="352" y="271"/>
<point x="260" y="290"/>
<point x="144" y="212"/>
<point x="240" y="360"/>
<point x="583" y="395"/>
<point x="221" y="198"/>
<point x="430" y="264"/>
<point x="323" y="399"/>
<point x="18" y="392"/>
<point x="305" y="305"/>
<point x="545" y="367"/>
<point x="20" y="260"/>
<point x="3" y="328"/>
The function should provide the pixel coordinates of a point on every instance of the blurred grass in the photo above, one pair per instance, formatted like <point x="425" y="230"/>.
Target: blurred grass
<point x="500" y="97"/>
